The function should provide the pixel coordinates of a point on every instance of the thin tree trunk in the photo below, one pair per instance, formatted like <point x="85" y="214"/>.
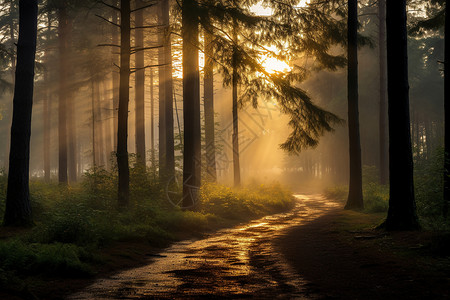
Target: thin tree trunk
<point x="235" y="135"/>
<point x="47" y="115"/>
<point x="402" y="208"/>
<point x="355" y="197"/>
<point x="107" y="128"/>
<point x="209" y="110"/>
<point x="99" y="127"/>
<point x="18" y="208"/>
<point x="94" y="148"/>
<point x="140" y="86"/>
<point x="62" y="105"/>
<point x="168" y="92"/>
<point x="70" y="112"/>
<point x="383" y="132"/>
<point x="115" y="75"/>
<point x="124" y="96"/>
<point x="191" y="104"/>
<point x="161" y="101"/>
<point x="71" y="140"/>
<point x="446" y="203"/>
<point x="152" y="118"/>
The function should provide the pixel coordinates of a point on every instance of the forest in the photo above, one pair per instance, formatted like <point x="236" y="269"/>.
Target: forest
<point x="186" y="149"/>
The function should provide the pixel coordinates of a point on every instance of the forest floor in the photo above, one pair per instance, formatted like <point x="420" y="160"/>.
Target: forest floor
<point x="342" y="256"/>
<point x="317" y="251"/>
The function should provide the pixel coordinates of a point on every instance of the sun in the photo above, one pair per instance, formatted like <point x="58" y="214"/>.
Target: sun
<point x="273" y="65"/>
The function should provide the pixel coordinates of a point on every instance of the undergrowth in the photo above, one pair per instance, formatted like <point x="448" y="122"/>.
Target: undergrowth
<point x="428" y="185"/>
<point x="73" y="223"/>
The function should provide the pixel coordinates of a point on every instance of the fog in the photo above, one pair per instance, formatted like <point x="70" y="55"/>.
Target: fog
<point x="261" y="130"/>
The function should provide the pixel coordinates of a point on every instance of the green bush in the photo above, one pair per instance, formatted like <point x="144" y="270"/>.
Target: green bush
<point x="53" y="259"/>
<point x="244" y="203"/>
<point x="376" y="198"/>
<point x="75" y="221"/>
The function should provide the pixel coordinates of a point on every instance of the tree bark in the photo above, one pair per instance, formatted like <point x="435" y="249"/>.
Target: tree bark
<point x="168" y="92"/>
<point x="235" y="135"/>
<point x="383" y="133"/>
<point x="99" y="127"/>
<point x="355" y="197"/>
<point x="18" y="208"/>
<point x="124" y="96"/>
<point x="115" y="74"/>
<point x="140" y="86"/>
<point x="446" y="203"/>
<point x="107" y="116"/>
<point x="191" y="104"/>
<point x="208" y="86"/>
<point x="161" y="99"/>
<point x="93" y="135"/>
<point x="152" y="118"/>
<point x="47" y="114"/>
<point x="402" y="208"/>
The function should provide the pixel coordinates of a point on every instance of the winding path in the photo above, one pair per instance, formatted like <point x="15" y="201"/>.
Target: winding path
<point x="240" y="262"/>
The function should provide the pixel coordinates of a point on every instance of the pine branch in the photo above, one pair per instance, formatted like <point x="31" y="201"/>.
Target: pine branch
<point x="105" y="19"/>
<point x="144" y="48"/>
<point x="108" y="45"/>
<point x="110" y="6"/>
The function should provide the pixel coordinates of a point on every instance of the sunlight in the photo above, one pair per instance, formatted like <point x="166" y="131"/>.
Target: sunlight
<point x="273" y="65"/>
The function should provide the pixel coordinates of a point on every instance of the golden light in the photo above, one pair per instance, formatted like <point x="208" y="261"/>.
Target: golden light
<point x="273" y="65"/>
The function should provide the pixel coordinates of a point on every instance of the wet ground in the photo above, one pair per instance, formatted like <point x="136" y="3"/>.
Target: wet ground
<point x="241" y="262"/>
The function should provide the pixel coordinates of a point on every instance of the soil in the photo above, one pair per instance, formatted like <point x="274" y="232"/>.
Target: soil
<point x="365" y="264"/>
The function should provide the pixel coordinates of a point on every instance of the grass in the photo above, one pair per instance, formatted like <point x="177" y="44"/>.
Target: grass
<point x="73" y="224"/>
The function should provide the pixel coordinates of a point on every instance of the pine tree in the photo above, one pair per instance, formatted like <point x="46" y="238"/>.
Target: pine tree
<point x="18" y="208"/>
<point x="355" y="196"/>
<point x="402" y="208"/>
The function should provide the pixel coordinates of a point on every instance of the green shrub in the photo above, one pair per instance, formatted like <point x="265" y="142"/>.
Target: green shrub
<point x="376" y="198"/>
<point x="53" y="259"/>
<point x="338" y="193"/>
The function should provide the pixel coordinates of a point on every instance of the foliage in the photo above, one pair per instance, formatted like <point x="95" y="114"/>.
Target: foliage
<point x="244" y="203"/>
<point x="55" y="259"/>
<point x="73" y="223"/>
<point x="428" y="181"/>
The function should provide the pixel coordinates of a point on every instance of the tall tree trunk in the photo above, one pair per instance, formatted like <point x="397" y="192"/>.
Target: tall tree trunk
<point x="208" y="86"/>
<point x="402" y="208"/>
<point x="355" y="197"/>
<point x="446" y="204"/>
<point x="47" y="100"/>
<point x="71" y="109"/>
<point x="71" y="132"/>
<point x="191" y="104"/>
<point x="107" y="129"/>
<point x="383" y="132"/>
<point x="140" y="86"/>
<point x="99" y="127"/>
<point x="235" y="135"/>
<point x="152" y="118"/>
<point x="62" y="105"/>
<point x="124" y="96"/>
<point x="93" y="135"/>
<point x="115" y="74"/>
<point x="168" y="92"/>
<point x="18" y="208"/>
<point x="161" y="99"/>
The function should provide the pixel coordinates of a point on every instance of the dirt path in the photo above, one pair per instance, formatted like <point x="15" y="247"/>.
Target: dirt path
<point x="241" y="262"/>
